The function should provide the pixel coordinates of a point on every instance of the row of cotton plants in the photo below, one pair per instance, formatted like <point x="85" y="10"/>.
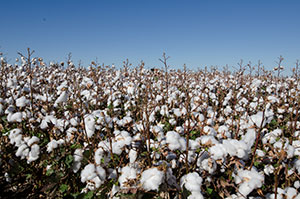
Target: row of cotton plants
<point x="77" y="132"/>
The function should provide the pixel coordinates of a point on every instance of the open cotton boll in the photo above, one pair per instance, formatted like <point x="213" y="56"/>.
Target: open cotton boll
<point x="89" y="123"/>
<point x="88" y="173"/>
<point x="195" y="195"/>
<point x="249" y="138"/>
<point x="209" y="131"/>
<point x="269" y="169"/>
<point x="96" y="176"/>
<point x="297" y="165"/>
<point x="21" y="102"/>
<point x="15" y="137"/>
<point x="218" y="151"/>
<point x="48" y="119"/>
<point x="34" y="153"/>
<point x="52" y="145"/>
<point x="258" y="119"/>
<point x="208" y="165"/>
<point x="101" y="157"/>
<point x="151" y="179"/>
<point x="132" y="155"/>
<point x="33" y="140"/>
<point x="192" y="182"/>
<point x="175" y="141"/>
<point x="127" y="173"/>
<point x="22" y="151"/>
<point x="62" y="98"/>
<point x="290" y="192"/>
<point x="177" y="112"/>
<point x="74" y="121"/>
<point x="15" y="117"/>
<point x="248" y="180"/>
<point x="78" y="157"/>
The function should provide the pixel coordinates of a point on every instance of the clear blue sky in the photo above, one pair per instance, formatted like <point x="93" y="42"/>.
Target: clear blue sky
<point x="198" y="33"/>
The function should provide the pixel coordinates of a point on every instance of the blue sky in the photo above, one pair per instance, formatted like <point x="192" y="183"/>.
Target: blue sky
<point x="198" y="33"/>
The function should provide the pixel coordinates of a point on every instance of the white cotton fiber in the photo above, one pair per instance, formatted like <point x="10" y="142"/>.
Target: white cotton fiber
<point x="89" y="122"/>
<point x="78" y="155"/>
<point x="33" y="140"/>
<point x="88" y="173"/>
<point x="248" y="180"/>
<point x="127" y="173"/>
<point x="53" y="144"/>
<point x="15" y="137"/>
<point x="132" y="155"/>
<point x="192" y="182"/>
<point x="34" y="153"/>
<point x="62" y="98"/>
<point x="22" y="151"/>
<point x="269" y="169"/>
<point x="218" y="151"/>
<point x="151" y="179"/>
<point x="250" y="138"/>
<point x="21" y="102"/>
<point x="175" y="141"/>
<point x="258" y="119"/>
<point x="15" y="117"/>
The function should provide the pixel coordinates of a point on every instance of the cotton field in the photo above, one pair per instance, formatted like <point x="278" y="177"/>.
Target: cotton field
<point x="132" y="132"/>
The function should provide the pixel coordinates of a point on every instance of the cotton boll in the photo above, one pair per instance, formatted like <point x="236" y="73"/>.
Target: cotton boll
<point x="174" y="141"/>
<point x="127" y="173"/>
<point x="52" y="145"/>
<point x="78" y="155"/>
<point x="297" y="165"/>
<point x="192" y="182"/>
<point x="291" y="192"/>
<point x="74" y="121"/>
<point x="62" y="98"/>
<point x="195" y="195"/>
<point x="209" y="165"/>
<point x="88" y="173"/>
<point x="15" y="117"/>
<point x="260" y="153"/>
<point x="33" y="140"/>
<point x="218" y="151"/>
<point x="132" y="156"/>
<point x="248" y="180"/>
<point x="34" y="153"/>
<point x="258" y="119"/>
<point x="151" y="179"/>
<point x="297" y="184"/>
<point x="22" y="151"/>
<point x="89" y="123"/>
<point x="15" y="136"/>
<point x="249" y="138"/>
<point x="101" y="175"/>
<point x="177" y="112"/>
<point x="101" y="157"/>
<point x="269" y="169"/>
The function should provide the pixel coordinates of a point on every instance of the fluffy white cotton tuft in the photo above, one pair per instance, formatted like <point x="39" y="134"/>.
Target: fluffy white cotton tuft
<point x="89" y="122"/>
<point x="21" y="102"/>
<point x="248" y="180"/>
<point x="151" y="179"/>
<point x="62" y="98"/>
<point x="94" y="174"/>
<point x="192" y="182"/>
<point x="127" y="173"/>
<point x="175" y="141"/>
